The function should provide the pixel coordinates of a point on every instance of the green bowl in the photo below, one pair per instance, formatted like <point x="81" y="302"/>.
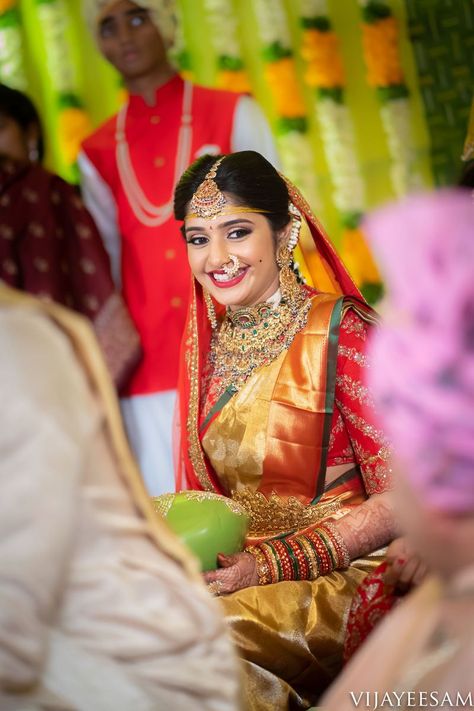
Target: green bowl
<point x="206" y="522"/>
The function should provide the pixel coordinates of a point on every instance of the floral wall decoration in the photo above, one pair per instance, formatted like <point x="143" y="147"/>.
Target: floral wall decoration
<point x="324" y="73"/>
<point x="223" y="22"/>
<point x="283" y="85"/>
<point x="12" y="64"/>
<point x="73" y="122"/>
<point x="380" y="37"/>
<point x="355" y="90"/>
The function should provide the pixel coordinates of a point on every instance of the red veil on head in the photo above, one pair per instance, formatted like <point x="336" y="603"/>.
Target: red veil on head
<point x="324" y="272"/>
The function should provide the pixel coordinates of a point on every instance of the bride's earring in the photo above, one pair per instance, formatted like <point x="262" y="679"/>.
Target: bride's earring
<point x="295" y="226"/>
<point x="288" y="282"/>
<point x="211" y="312"/>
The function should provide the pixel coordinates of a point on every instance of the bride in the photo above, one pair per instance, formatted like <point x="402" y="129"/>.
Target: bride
<point x="275" y="414"/>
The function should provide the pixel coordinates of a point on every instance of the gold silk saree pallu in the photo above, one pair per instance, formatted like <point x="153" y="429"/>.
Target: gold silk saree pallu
<point x="268" y="448"/>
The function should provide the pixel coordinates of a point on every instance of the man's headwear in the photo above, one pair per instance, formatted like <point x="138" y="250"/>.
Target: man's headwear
<point x="162" y="13"/>
<point x="423" y="356"/>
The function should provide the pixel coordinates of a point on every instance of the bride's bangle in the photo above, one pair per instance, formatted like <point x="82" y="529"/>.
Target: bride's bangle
<point x="263" y="569"/>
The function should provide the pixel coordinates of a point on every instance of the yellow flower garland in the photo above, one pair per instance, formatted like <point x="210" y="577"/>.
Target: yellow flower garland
<point x="6" y="5"/>
<point x="73" y="125"/>
<point x="358" y="259"/>
<point x="380" y="42"/>
<point x="233" y="80"/>
<point x="281" y="77"/>
<point x="321" y="52"/>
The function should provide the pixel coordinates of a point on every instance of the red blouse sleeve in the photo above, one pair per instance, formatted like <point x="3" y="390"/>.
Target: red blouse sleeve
<point x="354" y="406"/>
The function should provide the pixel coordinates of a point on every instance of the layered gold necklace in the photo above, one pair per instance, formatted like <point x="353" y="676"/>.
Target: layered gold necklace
<point x="252" y="337"/>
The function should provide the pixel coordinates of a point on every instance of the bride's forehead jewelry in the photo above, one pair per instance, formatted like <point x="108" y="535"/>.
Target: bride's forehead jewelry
<point x="209" y="201"/>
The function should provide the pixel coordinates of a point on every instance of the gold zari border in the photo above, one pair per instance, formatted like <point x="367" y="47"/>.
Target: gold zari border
<point x="275" y="514"/>
<point x="196" y="454"/>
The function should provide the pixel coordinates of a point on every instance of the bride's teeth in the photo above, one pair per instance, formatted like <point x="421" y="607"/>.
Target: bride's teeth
<point x="225" y="277"/>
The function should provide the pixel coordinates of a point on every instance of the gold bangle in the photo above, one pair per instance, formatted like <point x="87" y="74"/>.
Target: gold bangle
<point x="311" y="557"/>
<point x="270" y="556"/>
<point x="338" y="543"/>
<point x="263" y="570"/>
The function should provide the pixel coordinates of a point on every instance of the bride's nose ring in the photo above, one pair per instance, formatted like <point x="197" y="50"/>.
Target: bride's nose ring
<point x="231" y="269"/>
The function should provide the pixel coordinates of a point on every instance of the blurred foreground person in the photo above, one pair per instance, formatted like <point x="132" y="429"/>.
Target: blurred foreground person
<point x="100" y="607"/>
<point x="49" y="244"/>
<point x="424" y="651"/>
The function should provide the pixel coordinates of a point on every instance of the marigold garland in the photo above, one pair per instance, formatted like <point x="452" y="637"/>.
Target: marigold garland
<point x="325" y="74"/>
<point x="380" y="43"/>
<point x="73" y="125"/>
<point x="6" y="5"/>
<point x="233" y="80"/>
<point x="231" y="74"/>
<point x="324" y="67"/>
<point x="380" y="35"/>
<point x="281" y="76"/>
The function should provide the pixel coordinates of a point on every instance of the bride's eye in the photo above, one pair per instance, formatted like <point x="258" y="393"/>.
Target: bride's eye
<point x="238" y="233"/>
<point x="197" y="240"/>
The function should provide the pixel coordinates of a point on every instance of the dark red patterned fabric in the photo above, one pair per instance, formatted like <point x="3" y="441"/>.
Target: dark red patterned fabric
<point x="50" y="247"/>
<point x="356" y="435"/>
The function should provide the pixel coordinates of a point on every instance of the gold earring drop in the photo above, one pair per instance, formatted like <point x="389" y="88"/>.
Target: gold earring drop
<point x="289" y="286"/>
<point x="211" y="312"/>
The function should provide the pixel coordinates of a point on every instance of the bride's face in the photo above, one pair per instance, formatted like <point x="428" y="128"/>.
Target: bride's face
<point x="246" y="235"/>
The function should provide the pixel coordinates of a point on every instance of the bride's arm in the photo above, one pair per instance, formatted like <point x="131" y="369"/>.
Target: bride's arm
<point x="318" y="551"/>
<point x="369" y="526"/>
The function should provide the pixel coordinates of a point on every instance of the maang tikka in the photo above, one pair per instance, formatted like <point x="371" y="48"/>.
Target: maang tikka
<point x="208" y="200"/>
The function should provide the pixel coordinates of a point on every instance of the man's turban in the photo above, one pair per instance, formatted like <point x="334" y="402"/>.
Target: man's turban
<point x="162" y="13"/>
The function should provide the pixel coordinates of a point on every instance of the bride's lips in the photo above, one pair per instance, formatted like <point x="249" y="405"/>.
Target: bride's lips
<point x="231" y="282"/>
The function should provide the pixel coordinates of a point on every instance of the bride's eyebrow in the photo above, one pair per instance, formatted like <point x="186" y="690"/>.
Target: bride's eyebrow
<point x="229" y="223"/>
<point x="240" y="221"/>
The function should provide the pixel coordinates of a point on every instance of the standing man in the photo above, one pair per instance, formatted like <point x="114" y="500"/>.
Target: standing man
<point x="129" y="168"/>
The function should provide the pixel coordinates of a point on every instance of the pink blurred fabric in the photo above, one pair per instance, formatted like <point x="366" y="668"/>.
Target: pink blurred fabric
<point x="423" y="354"/>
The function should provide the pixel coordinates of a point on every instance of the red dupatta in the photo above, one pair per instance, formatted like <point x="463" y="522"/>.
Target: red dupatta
<point x="325" y="272"/>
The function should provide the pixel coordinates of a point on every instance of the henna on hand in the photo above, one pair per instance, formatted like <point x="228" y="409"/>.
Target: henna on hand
<point x="371" y="525"/>
<point x="236" y="572"/>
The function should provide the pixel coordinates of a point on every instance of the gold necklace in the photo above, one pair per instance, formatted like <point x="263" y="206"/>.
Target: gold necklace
<point x="252" y="337"/>
<point x="145" y="211"/>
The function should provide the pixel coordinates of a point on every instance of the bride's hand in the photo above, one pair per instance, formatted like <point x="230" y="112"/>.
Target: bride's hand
<point x="235" y="572"/>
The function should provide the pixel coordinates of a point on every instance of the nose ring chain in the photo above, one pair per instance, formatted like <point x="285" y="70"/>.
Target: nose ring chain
<point x="231" y="270"/>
